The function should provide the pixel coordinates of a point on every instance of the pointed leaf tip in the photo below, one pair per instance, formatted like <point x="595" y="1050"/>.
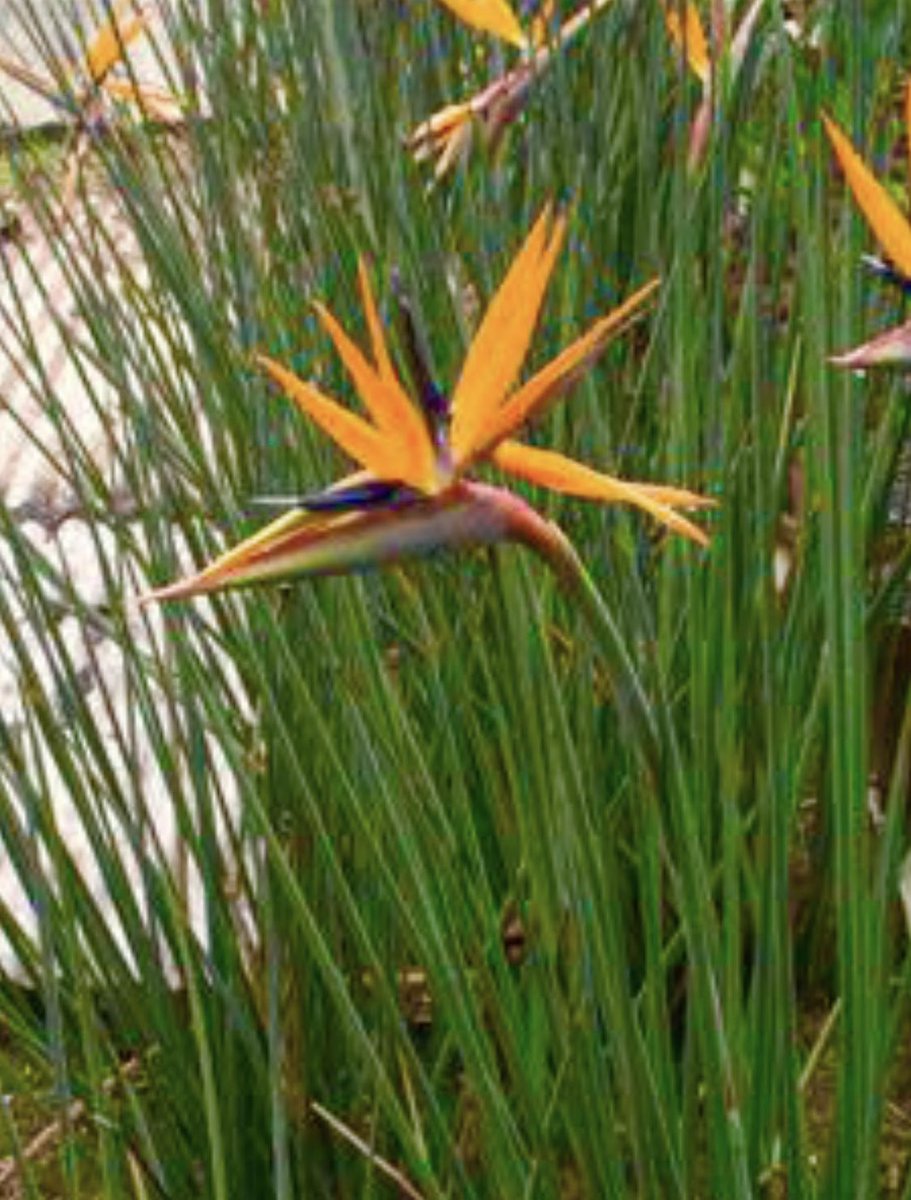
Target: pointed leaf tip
<point x="126" y="22"/>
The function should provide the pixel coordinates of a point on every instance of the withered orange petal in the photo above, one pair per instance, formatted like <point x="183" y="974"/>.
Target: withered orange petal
<point x="574" y="25"/>
<point x="548" y="469"/>
<point x="744" y="34"/>
<point x="501" y="343"/>
<point x="438" y="126"/>
<point x="357" y="437"/>
<point x="561" y="373"/>
<point x="677" y="497"/>
<point x="883" y="215"/>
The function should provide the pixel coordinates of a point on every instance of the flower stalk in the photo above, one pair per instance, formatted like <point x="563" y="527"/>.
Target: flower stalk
<point x="447" y="136"/>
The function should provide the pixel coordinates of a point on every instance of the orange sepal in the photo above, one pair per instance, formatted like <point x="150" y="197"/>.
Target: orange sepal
<point x="501" y="343"/>
<point x="374" y="325"/>
<point x="397" y="420"/>
<point x="688" y="36"/>
<point x="491" y="16"/>
<point x="561" y="373"/>
<point x="548" y="469"/>
<point x="357" y="437"/>
<point x="883" y="215"/>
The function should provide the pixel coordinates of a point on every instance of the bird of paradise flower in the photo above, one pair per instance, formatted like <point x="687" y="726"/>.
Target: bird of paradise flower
<point x="448" y="134"/>
<point x="892" y="230"/>
<point x="414" y="492"/>
<point x="81" y="89"/>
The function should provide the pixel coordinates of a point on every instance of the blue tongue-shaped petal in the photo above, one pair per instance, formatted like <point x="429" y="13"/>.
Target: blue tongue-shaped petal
<point x="366" y="494"/>
<point x="887" y="271"/>
<point x="434" y="403"/>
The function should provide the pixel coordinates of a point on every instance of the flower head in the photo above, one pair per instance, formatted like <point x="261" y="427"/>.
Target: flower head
<point x="447" y="135"/>
<point x="892" y="230"/>
<point x="77" y="87"/>
<point x="412" y="491"/>
<point x="83" y="89"/>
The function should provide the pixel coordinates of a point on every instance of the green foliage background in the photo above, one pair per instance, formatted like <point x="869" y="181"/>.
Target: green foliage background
<point x="704" y="991"/>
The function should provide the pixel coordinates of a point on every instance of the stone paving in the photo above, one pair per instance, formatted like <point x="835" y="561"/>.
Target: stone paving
<point x="44" y="384"/>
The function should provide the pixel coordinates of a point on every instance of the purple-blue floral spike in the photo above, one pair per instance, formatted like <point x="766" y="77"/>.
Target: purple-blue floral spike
<point x="434" y="401"/>
<point x="887" y="271"/>
<point x="368" y="493"/>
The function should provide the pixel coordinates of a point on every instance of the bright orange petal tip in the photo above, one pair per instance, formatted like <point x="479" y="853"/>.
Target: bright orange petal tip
<point x="689" y="38"/>
<point x="539" y="393"/>
<point x="128" y="20"/>
<point x="490" y="16"/>
<point x="358" y="438"/>
<point x="890" y="349"/>
<point x="410" y="455"/>
<point x="889" y="225"/>
<point x="503" y="338"/>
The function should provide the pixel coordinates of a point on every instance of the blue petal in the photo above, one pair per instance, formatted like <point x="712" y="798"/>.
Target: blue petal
<point x="375" y="493"/>
<point x="887" y="271"/>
